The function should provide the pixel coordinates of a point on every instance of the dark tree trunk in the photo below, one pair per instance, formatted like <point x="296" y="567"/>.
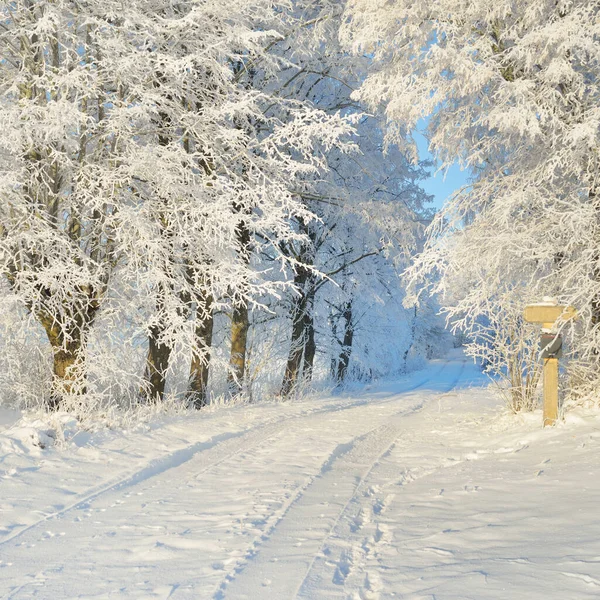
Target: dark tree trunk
<point x="344" y="359"/>
<point x="157" y="363"/>
<point x="593" y="196"/>
<point x="67" y="368"/>
<point x="310" y="347"/>
<point x="67" y="340"/>
<point x="199" y="368"/>
<point x="302" y="351"/>
<point x="294" y="361"/>
<point x="159" y="353"/>
<point x="413" y="330"/>
<point x="240" y="319"/>
<point x="302" y="348"/>
<point x="239" y="340"/>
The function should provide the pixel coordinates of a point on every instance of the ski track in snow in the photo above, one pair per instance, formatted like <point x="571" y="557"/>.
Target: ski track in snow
<point x="210" y="455"/>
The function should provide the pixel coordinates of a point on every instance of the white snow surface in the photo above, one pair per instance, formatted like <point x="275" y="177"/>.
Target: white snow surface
<point x="422" y="488"/>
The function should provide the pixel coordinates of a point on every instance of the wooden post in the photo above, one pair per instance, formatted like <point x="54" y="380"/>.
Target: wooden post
<point x="548" y="313"/>
<point x="550" y="391"/>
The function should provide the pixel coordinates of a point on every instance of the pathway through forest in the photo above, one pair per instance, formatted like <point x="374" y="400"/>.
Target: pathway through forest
<point x="413" y="489"/>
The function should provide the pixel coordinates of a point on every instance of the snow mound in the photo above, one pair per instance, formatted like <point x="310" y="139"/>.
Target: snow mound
<point x="33" y="433"/>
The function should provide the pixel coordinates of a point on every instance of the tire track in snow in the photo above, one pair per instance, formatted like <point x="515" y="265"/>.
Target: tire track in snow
<point x="263" y="573"/>
<point x="218" y="451"/>
<point x="362" y="509"/>
<point x="229" y="443"/>
<point x="259" y="579"/>
<point x="360" y="535"/>
<point x="238" y="440"/>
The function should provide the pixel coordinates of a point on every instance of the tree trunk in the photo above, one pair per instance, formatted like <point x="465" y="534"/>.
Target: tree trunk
<point x="413" y="330"/>
<point x="157" y="363"/>
<point x="334" y="359"/>
<point x="239" y="338"/>
<point x="67" y="341"/>
<point x="159" y="353"/>
<point x="240" y="322"/>
<point x="595" y="303"/>
<point x="67" y="369"/>
<point x="344" y="359"/>
<point x="199" y="368"/>
<point x="308" y="335"/>
<point x="294" y="361"/>
<point x="302" y="348"/>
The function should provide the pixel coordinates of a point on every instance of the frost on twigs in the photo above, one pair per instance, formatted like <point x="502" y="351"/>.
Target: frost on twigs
<point x="511" y="91"/>
<point x="183" y="184"/>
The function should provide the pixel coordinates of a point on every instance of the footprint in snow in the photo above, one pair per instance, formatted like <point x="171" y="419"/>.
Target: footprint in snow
<point x="359" y="521"/>
<point x="343" y="568"/>
<point x="382" y="534"/>
<point x="372" y="587"/>
<point x="471" y="488"/>
<point x="381" y="504"/>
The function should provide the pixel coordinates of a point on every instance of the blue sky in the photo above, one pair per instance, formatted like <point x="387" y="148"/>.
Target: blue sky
<point x="445" y="182"/>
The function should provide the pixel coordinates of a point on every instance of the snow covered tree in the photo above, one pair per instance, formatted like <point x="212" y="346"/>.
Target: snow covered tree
<point x="62" y="181"/>
<point x="165" y="164"/>
<point x="511" y="90"/>
<point x="233" y="163"/>
<point x="316" y="70"/>
<point x="121" y="149"/>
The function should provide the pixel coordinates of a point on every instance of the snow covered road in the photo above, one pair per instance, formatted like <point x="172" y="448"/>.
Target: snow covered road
<point x="417" y="489"/>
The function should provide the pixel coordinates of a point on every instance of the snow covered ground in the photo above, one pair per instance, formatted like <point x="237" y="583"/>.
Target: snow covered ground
<point x="420" y="488"/>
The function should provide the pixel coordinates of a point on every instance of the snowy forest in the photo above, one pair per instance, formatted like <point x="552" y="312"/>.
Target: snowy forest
<point x="283" y="288"/>
<point x="208" y="201"/>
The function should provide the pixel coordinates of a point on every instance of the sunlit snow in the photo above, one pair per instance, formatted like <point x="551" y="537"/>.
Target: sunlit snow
<point x="418" y="488"/>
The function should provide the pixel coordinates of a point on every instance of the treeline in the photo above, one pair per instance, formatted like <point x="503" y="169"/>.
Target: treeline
<point x="513" y="92"/>
<point x="194" y="184"/>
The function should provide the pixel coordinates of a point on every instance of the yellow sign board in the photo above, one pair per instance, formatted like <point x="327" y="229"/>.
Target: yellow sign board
<point x="544" y="313"/>
<point x="548" y="313"/>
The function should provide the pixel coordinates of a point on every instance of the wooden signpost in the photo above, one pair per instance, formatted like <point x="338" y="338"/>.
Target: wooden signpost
<point x="550" y="315"/>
